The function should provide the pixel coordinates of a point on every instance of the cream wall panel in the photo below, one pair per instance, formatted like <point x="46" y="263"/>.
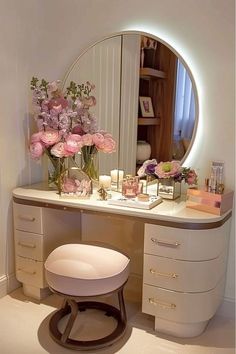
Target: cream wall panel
<point x="129" y="102"/>
<point x="100" y="65"/>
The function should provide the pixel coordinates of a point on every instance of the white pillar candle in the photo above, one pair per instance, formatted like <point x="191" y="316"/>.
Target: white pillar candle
<point x="105" y="181"/>
<point x="117" y="175"/>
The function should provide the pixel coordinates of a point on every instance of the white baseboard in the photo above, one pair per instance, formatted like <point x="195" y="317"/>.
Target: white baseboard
<point x="8" y="284"/>
<point x="227" y="308"/>
<point x="13" y="283"/>
<point x="3" y="286"/>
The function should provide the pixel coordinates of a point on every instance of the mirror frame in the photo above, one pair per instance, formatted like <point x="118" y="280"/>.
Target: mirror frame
<point x="178" y="56"/>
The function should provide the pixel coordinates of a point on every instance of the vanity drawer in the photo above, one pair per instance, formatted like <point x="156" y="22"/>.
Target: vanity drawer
<point x="181" y="307"/>
<point x="183" y="276"/>
<point x="28" y="218"/>
<point x="29" y="245"/>
<point x="193" y="245"/>
<point x="30" y="272"/>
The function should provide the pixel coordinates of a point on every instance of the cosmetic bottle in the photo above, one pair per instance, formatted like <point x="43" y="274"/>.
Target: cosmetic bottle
<point x="213" y="179"/>
<point x="220" y="182"/>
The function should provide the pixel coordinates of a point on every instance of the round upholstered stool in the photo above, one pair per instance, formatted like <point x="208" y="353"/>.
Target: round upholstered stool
<point x="76" y="271"/>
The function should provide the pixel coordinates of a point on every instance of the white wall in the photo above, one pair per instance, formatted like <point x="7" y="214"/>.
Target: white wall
<point x="44" y="37"/>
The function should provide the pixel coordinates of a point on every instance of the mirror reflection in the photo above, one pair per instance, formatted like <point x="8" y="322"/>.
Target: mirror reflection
<point x="145" y="98"/>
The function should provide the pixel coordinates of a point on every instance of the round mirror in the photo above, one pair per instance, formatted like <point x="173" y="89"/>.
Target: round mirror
<point x="146" y="98"/>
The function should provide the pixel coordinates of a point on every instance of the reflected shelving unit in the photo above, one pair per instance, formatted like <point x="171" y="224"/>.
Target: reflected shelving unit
<point x="157" y="79"/>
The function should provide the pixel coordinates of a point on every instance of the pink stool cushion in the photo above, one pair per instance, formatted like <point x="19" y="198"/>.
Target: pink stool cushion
<point x="86" y="270"/>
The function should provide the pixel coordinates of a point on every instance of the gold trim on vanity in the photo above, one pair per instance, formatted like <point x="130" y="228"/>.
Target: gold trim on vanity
<point x="174" y="224"/>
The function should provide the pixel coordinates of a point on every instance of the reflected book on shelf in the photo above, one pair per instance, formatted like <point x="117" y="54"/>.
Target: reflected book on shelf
<point x="135" y="203"/>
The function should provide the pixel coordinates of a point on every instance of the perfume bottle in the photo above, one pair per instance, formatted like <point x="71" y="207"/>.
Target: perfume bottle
<point x="131" y="187"/>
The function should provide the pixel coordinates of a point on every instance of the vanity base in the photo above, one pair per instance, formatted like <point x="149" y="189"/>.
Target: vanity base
<point x="36" y="293"/>
<point x="178" y="329"/>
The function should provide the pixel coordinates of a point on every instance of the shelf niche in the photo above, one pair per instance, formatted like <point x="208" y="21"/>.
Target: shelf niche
<point x="158" y="82"/>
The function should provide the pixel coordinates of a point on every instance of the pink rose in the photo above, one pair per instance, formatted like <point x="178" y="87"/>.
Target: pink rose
<point x="87" y="139"/>
<point x="98" y="140"/>
<point x="109" y="145"/>
<point x="50" y="137"/>
<point x="36" y="150"/>
<point x="69" y="185"/>
<point x="59" y="150"/>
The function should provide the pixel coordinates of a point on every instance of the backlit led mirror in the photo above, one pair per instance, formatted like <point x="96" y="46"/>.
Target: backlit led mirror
<point x="146" y="98"/>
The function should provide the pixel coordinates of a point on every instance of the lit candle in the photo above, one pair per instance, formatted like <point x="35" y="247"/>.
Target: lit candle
<point x="105" y="181"/>
<point x="117" y="175"/>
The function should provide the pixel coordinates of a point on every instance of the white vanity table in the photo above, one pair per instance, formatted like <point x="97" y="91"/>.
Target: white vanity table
<point x="179" y="255"/>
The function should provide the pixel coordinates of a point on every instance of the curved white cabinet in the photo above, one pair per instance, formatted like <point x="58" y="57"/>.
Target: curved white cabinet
<point x="183" y="276"/>
<point x="184" y="252"/>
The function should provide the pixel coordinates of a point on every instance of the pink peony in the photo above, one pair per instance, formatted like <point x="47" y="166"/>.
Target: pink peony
<point x="73" y="143"/>
<point x="59" y="150"/>
<point x="36" y="150"/>
<point x="98" y="140"/>
<point x="109" y="145"/>
<point x="87" y="139"/>
<point x="50" y="137"/>
<point x="167" y="169"/>
<point x="36" y="137"/>
<point x="107" y="135"/>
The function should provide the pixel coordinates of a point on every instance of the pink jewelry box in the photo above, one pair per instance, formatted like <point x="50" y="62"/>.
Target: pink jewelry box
<point x="212" y="203"/>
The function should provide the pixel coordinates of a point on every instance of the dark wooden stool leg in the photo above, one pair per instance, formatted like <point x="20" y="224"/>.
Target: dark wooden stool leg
<point x="73" y="315"/>
<point x="122" y="305"/>
<point x="71" y="306"/>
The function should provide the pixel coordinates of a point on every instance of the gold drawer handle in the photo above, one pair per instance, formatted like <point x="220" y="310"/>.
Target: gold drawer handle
<point x="174" y="244"/>
<point x="164" y="305"/>
<point x="168" y="275"/>
<point x="26" y="271"/>
<point x="28" y="245"/>
<point x="26" y="218"/>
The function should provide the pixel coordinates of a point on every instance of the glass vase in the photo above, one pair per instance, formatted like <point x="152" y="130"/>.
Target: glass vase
<point x="90" y="163"/>
<point x="168" y="188"/>
<point x="56" y="172"/>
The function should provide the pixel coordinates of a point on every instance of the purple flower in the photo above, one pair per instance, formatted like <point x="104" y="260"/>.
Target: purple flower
<point x="150" y="169"/>
<point x="143" y="169"/>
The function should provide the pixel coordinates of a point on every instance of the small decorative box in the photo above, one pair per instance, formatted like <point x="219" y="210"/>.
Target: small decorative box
<point x="212" y="203"/>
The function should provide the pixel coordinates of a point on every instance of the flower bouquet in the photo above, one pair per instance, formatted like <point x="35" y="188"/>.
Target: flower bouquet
<point x="168" y="174"/>
<point x="66" y="127"/>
